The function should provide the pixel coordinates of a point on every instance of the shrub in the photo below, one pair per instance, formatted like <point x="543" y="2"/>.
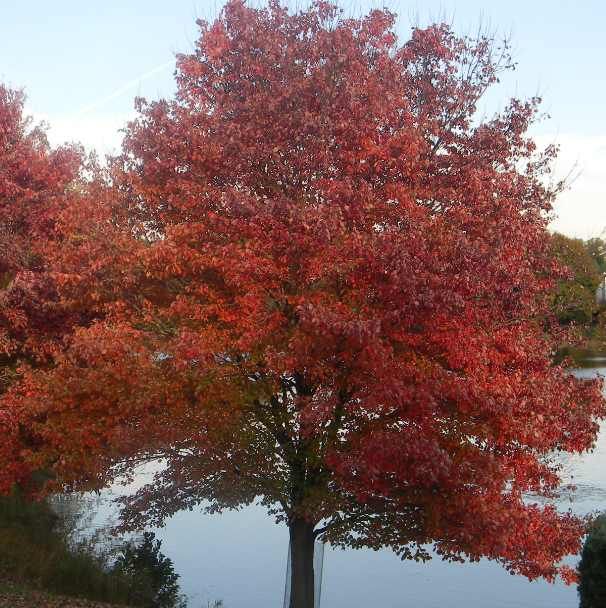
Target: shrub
<point x="592" y="567"/>
<point x="155" y="580"/>
<point x="37" y="548"/>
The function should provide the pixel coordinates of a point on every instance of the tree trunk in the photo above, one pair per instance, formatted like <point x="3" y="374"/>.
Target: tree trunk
<point x="302" y="543"/>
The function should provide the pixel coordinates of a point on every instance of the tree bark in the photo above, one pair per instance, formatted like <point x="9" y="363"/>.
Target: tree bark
<point x="302" y="543"/>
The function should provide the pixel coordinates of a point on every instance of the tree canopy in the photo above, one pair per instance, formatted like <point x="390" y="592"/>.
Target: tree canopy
<point x="34" y="187"/>
<point x="320" y="280"/>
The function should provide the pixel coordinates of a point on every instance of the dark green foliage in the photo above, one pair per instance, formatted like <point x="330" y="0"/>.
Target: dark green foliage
<point x="36" y="549"/>
<point x="592" y="567"/>
<point x="597" y="250"/>
<point x="575" y="300"/>
<point x="155" y="580"/>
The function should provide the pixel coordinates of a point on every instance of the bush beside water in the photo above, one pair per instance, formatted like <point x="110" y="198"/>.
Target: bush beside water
<point x="592" y="567"/>
<point x="38" y="548"/>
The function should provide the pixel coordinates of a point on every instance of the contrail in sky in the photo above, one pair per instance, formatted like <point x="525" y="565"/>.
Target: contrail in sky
<point x="124" y="88"/>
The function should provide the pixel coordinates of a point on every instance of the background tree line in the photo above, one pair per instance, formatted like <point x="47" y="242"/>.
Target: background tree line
<point x="574" y="301"/>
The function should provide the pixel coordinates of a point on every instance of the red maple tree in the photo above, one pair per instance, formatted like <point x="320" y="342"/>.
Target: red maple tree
<point x="324" y="285"/>
<point x="35" y="181"/>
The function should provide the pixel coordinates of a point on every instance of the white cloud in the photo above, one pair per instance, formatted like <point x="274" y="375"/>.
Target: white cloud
<point x="100" y="132"/>
<point x="581" y="209"/>
<point x="94" y="125"/>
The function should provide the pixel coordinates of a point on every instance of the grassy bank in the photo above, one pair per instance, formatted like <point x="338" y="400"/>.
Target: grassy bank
<point x="37" y="554"/>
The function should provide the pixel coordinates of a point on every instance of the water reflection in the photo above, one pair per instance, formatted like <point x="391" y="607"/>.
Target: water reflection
<point x="240" y="557"/>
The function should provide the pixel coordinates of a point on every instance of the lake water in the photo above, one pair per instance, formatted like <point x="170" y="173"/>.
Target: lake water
<point x="240" y="558"/>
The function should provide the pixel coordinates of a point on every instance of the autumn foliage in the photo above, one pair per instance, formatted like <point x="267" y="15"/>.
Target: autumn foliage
<point x="322" y="281"/>
<point x="34" y="188"/>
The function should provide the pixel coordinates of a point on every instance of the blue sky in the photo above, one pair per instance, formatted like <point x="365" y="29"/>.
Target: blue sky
<point x="81" y="65"/>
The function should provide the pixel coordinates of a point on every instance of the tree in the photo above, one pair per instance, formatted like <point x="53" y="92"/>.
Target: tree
<point x="330" y="296"/>
<point x="597" y="250"/>
<point x="592" y="567"/>
<point x="575" y="299"/>
<point x="156" y="584"/>
<point x="34" y="187"/>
